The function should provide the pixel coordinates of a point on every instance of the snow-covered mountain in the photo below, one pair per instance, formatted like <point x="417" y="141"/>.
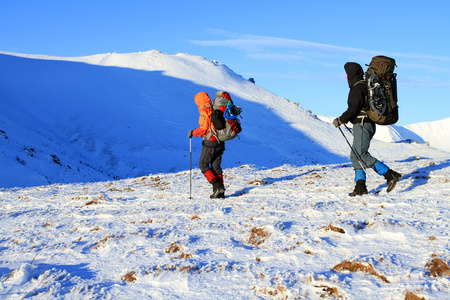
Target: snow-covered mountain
<point x="119" y="115"/>
<point x="436" y="133"/>
<point x="113" y="116"/>
<point x="287" y="229"/>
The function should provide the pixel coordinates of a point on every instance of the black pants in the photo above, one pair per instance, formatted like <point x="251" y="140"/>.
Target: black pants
<point x="211" y="157"/>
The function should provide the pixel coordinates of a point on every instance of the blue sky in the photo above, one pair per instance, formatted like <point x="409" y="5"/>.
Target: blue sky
<point x="295" y="49"/>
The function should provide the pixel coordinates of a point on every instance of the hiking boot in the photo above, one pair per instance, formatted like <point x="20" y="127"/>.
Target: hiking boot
<point x="360" y="189"/>
<point x="392" y="178"/>
<point x="218" y="191"/>
<point x="222" y="195"/>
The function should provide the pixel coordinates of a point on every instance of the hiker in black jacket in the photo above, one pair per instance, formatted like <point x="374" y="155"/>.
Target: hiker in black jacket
<point x="363" y="132"/>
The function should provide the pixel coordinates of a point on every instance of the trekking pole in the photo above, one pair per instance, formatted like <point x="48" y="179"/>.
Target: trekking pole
<point x="374" y="150"/>
<point x="348" y="129"/>
<point x="353" y="150"/>
<point x="190" y="168"/>
<point x="356" y="154"/>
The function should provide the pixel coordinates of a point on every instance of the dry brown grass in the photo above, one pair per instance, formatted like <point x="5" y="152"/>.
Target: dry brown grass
<point x="127" y="189"/>
<point x="438" y="268"/>
<point x="411" y="296"/>
<point x="258" y="236"/>
<point x="264" y="292"/>
<point x="184" y="256"/>
<point x="80" y="197"/>
<point x="103" y="241"/>
<point x="189" y="269"/>
<point x="174" y="247"/>
<point x="257" y="182"/>
<point x="334" y="228"/>
<point x="313" y="175"/>
<point x="154" y="182"/>
<point x="329" y="292"/>
<point x="129" y="277"/>
<point x="173" y="268"/>
<point x="94" y="201"/>
<point x="281" y="288"/>
<point x="353" y="266"/>
<point x="149" y="221"/>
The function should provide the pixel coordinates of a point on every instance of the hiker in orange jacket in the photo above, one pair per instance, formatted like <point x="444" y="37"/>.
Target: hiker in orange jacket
<point x="212" y="150"/>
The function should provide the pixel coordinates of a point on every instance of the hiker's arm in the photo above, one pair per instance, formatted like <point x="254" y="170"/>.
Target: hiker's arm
<point x="203" y="121"/>
<point x="355" y="104"/>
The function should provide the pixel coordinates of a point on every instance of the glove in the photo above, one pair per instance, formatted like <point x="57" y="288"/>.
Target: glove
<point x="190" y="133"/>
<point x="337" y="122"/>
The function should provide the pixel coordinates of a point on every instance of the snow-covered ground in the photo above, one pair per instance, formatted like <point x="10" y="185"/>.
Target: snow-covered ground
<point x="278" y="235"/>
<point x="98" y="147"/>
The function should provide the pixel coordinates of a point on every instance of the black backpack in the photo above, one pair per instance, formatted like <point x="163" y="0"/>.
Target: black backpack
<point x="382" y="99"/>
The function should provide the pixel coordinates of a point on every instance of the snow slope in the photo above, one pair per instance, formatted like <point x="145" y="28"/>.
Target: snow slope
<point x="114" y="116"/>
<point x="436" y="133"/>
<point x="287" y="229"/>
<point x="131" y="119"/>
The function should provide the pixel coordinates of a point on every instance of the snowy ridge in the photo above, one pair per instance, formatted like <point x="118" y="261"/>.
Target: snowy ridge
<point x="70" y="127"/>
<point x="437" y="133"/>
<point x="130" y="119"/>
<point x="112" y="116"/>
<point x="183" y="66"/>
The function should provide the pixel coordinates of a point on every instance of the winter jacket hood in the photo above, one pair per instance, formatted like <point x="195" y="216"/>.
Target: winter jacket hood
<point x="204" y="107"/>
<point x="354" y="73"/>
<point x="357" y="94"/>
<point x="203" y="101"/>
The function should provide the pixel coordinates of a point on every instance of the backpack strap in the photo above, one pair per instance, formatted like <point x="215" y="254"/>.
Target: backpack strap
<point x="212" y="131"/>
<point x="359" y="81"/>
<point x="363" y="113"/>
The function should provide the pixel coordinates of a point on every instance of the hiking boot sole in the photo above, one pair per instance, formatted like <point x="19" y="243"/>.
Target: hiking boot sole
<point x="393" y="183"/>
<point x="220" y="193"/>
<point x="353" y="194"/>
